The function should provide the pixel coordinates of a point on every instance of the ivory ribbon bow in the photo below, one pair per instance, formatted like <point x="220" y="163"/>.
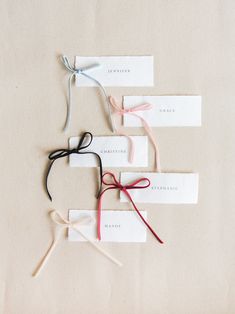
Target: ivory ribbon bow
<point x="116" y="185"/>
<point x="61" y="224"/>
<point x="82" y="71"/>
<point x="133" y="111"/>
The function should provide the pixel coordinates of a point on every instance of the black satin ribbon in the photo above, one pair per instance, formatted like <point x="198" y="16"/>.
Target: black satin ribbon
<point x="60" y="153"/>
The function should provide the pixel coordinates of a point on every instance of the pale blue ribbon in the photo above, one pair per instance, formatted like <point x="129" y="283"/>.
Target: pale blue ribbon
<point x="82" y="71"/>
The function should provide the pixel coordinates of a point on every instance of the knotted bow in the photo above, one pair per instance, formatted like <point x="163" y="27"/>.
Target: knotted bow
<point x="116" y="185"/>
<point x="132" y="111"/>
<point x="61" y="224"/>
<point x="82" y="71"/>
<point x="60" y="153"/>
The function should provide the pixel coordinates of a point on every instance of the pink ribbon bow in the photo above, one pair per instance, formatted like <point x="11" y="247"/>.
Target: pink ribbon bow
<point x="132" y="111"/>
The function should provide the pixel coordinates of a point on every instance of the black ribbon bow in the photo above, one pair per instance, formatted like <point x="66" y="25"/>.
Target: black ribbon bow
<point x="60" y="153"/>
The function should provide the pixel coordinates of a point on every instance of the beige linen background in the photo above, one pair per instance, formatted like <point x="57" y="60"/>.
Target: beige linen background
<point x="193" y="46"/>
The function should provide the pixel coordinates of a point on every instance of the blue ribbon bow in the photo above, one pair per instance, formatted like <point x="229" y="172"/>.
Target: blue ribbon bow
<point x="82" y="71"/>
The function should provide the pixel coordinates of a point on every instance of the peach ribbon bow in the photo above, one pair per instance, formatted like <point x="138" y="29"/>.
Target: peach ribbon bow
<point x="61" y="224"/>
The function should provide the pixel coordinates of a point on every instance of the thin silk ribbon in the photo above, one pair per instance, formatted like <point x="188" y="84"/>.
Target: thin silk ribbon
<point x="82" y="71"/>
<point x="132" y="111"/>
<point x="114" y="184"/>
<point x="60" y="153"/>
<point x="62" y="224"/>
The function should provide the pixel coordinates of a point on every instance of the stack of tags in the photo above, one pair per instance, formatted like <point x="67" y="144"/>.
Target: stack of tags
<point x="122" y="150"/>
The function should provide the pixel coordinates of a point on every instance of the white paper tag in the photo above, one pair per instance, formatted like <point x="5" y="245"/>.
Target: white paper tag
<point x="165" y="188"/>
<point x="113" y="150"/>
<point x="166" y="111"/>
<point x="116" y="226"/>
<point x="116" y="71"/>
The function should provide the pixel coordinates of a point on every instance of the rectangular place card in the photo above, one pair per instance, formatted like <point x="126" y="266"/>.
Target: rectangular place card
<point x="167" y="111"/>
<point x="113" y="150"/>
<point x="116" y="71"/>
<point x="165" y="188"/>
<point x="116" y="226"/>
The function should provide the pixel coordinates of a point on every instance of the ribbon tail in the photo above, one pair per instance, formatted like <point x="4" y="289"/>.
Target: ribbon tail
<point x="148" y="130"/>
<point x="101" y="174"/>
<point x="131" y="151"/>
<point x="69" y="103"/>
<point x="99" y="249"/>
<point x="142" y="218"/>
<point x="99" y="217"/>
<point x="111" y="121"/>
<point x="46" y="179"/>
<point x="113" y="108"/>
<point x="45" y="259"/>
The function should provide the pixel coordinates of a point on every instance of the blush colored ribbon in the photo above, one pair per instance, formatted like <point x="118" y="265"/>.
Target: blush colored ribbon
<point x="114" y="184"/>
<point x="60" y="153"/>
<point x="82" y="71"/>
<point x="132" y="111"/>
<point x="60" y="225"/>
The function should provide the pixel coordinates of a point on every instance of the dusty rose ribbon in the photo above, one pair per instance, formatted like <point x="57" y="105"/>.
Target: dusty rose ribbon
<point x="132" y="111"/>
<point x="61" y="224"/>
<point x="116" y="185"/>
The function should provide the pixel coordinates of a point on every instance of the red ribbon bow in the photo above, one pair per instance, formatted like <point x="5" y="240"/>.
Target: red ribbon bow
<point x="115" y="184"/>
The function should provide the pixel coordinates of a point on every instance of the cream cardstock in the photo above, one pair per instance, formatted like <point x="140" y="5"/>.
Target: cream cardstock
<point x="113" y="150"/>
<point x="117" y="71"/>
<point x="116" y="226"/>
<point x="165" y="188"/>
<point x="166" y="111"/>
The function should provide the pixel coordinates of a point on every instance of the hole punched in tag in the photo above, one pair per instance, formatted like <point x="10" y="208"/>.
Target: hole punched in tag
<point x="83" y="143"/>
